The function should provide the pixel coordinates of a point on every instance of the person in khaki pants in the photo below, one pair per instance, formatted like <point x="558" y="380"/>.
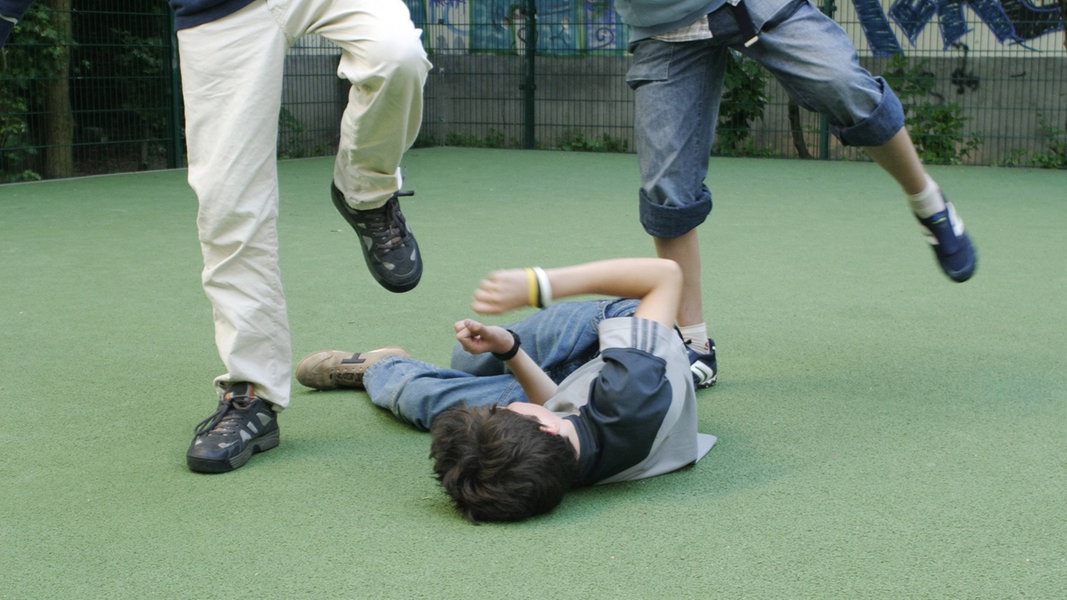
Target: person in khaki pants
<point x="232" y="54"/>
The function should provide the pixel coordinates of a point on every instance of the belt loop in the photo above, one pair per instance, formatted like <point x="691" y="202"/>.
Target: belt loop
<point x="744" y="21"/>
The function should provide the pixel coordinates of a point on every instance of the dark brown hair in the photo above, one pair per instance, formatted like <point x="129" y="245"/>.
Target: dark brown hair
<point x="497" y="465"/>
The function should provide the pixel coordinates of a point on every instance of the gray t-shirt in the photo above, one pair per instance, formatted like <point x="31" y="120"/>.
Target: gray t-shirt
<point x="633" y="406"/>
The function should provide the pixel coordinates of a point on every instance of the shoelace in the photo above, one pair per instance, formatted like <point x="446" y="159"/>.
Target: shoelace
<point x="384" y="223"/>
<point x="225" y="420"/>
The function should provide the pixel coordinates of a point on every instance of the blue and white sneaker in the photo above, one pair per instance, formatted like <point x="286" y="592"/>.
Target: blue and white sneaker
<point x="952" y="247"/>
<point x="703" y="366"/>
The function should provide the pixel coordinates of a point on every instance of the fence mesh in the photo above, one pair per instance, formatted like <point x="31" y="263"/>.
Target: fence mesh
<point x="89" y="89"/>
<point x="94" y="88"/>
<point x="984" y="82"/>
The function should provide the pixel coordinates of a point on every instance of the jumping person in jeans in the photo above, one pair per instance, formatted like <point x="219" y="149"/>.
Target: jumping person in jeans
<point x="680" y="51"/>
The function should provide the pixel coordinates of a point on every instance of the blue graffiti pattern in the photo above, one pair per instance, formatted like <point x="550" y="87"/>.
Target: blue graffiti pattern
<point x="1008" y="20"/>
<point x="582" y="26"/>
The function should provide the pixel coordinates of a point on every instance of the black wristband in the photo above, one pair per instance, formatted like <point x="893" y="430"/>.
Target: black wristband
<point x="510" y="354"/>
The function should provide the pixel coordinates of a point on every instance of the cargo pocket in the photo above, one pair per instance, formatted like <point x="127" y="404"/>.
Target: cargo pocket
<point x="652" y="60"/>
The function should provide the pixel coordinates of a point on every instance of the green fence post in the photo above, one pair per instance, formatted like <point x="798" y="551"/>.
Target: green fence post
<point x="529" y="85"/>
<point x="174" y="97"/>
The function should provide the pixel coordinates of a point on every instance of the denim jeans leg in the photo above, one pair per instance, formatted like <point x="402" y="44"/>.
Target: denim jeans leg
<point x="559" y="338"/>
<point x="816" y="63"/>
<point x="416" y="392"/>
<point x="677" y="89"/>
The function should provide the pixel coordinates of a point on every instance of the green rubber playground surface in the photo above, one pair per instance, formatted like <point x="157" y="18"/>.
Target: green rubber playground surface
<point x="883" y="432"/>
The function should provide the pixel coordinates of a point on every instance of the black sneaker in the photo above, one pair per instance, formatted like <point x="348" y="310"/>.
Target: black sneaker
<point x="243" y="424"/>
<point x="391" y="252"/>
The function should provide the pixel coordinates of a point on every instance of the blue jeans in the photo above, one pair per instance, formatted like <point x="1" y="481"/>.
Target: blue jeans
<point x="678" y="87"/>
<point x="560" y="338"/>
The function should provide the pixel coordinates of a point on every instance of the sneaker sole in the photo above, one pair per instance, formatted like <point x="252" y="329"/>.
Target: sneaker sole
<point x="261" y="444"/>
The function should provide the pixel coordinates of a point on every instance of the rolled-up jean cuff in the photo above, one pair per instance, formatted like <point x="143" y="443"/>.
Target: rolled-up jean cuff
<point x="877" y="129"/>
<point x="672" y="221"/>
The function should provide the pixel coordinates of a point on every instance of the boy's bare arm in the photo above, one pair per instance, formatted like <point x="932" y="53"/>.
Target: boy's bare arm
<point x="477" y="338"/>
<point x="656" y="282"/>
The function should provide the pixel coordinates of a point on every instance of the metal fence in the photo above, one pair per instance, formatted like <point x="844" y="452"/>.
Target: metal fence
<point x="94" y="88"/>
<point x="984" y="82"/>
<point x="89" y="88"/>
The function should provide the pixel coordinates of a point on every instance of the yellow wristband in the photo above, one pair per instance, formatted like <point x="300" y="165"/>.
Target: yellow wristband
<point x="531" y="287"/>
<point x="544" y="288"/>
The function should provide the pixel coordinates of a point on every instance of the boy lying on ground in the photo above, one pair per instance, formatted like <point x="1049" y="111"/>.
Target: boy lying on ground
<point x="580" y="393"/>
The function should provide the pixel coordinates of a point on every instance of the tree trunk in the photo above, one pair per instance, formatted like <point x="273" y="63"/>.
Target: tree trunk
<point x="59" y="127"/>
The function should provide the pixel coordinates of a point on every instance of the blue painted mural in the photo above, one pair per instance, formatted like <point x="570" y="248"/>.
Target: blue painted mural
<point x="563" y="26"/>
<point x="1009" y="20"/>
<point x="584" y="26"/>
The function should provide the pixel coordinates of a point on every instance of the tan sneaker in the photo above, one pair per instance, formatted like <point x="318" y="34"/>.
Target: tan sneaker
<point x="333" y="369"/>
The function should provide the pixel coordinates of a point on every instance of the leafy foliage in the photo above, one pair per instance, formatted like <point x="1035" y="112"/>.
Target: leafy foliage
<point x="936" y="126"/>
<point x="117" y="54"/>
<point x="744" y="100"/>
<point x="1054" y="156"/>
<point x="37" y="56"/>
<point x="577" y="142"/>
